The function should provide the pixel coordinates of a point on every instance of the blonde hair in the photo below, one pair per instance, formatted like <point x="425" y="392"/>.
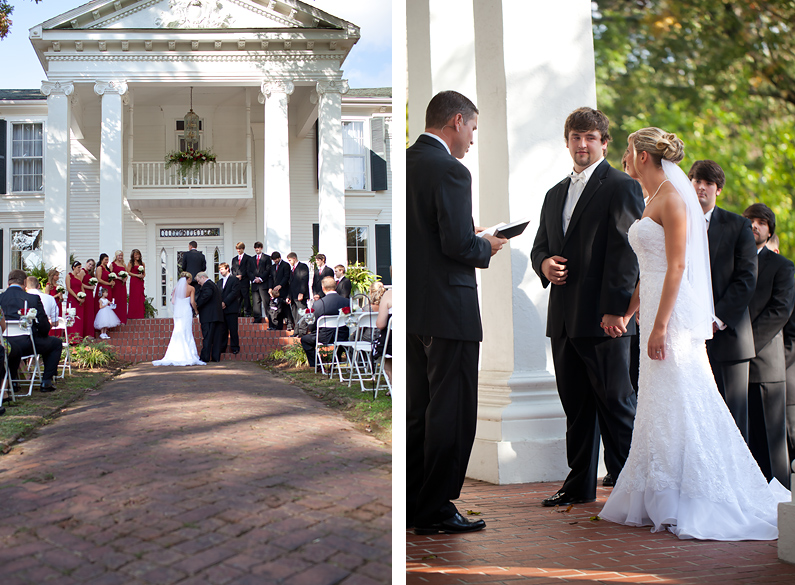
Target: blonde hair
<point x="186" y="275"/>
<point x="659" y="144"/>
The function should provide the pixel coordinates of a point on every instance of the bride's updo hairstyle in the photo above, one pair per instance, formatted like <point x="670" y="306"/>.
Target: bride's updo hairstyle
<point x="659" y="144"/>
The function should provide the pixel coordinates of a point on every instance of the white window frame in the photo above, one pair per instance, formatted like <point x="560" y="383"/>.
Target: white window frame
<point x="366" y="130"/>
<point x="12" y="250"/>
<point x="12" y="121"/>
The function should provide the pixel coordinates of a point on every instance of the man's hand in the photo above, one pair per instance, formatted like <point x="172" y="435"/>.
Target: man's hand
<point x="300" y="296"/>
<point x="496" y="243"/>
<point x="316" y="297"/>
<point x="277" y="288"/>
<point x="614" y="325"/>
<point x="554" y="268"/>
<point x="239" y="276"/>
<point x="257" y="280"/>
<point x="223" y="305"/>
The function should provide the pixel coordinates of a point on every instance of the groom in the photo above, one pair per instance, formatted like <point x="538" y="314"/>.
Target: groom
<point x="211" y="316"/>
<point x="581" y="248"/>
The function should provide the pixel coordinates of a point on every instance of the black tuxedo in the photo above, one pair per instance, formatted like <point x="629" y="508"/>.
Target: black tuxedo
<point x="733" y="264"/>
<point x="242" y="268"/>
<point x="789" y="358"/>
<point x="299" y="284"/>
<point x="344" y="287"/>
<point x="208" y="301"/>
<point x="770" y="309"/>
<point x="259" y="290"/>
<point x="281" y="277"/>
<point x="319" y="275"/>
<point x="328" y="305"/>
<point x="592" y="369"/>
<point x="230" y="296"/>
<point x="194" y="262"/>
<point x="11" y="302"/>
<point x="442" y="345"/>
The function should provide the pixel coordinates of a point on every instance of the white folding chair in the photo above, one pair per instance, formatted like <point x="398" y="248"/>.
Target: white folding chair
<point x="30" y="362"/>
<point x="379" y="368"/>
<point x="327" y="322"/>
<point x="66" y="363"/>
<point x="357" y="348"/>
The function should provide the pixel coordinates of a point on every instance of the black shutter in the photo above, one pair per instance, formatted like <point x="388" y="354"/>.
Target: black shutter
<point x="377" y="172"/>
<point x="2" y="272"/>
<point x="316" y="236"/>
<point x="378" y="180"/>
<point x="383" y="252"/>
<point x="3" y="162"/>
<point x="317" y="157"/>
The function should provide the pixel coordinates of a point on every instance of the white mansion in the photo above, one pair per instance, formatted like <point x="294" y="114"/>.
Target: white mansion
<point x="302" y="160"/>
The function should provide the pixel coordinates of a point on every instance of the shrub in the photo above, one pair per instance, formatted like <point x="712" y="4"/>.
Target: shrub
<point x="149" y="308"/>
<point x="292" y="354"/>
<point x="361" y="278"/>
<point x="92" y="354"/>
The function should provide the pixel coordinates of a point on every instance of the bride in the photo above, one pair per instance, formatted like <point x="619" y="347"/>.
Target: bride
<point x="182" y="347"/>
<point x="689" y="469"/>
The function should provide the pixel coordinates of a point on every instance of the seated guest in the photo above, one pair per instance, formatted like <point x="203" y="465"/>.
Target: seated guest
<point x="12" y="301"/>
<point x="330" y="304"/>
<point x="384" y="316"/>
<point x="377" y="290"/>
<point x="32" y="286"/>
<point x="343" y="282"/>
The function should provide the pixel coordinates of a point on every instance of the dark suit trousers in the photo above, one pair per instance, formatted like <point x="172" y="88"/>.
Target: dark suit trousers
<point x="228" y="333"/>
<point x="308" y="343"/>
<point x="732" y="381"/>
<point x="791" y="411"/>
<point x="441" y="409"/>
<point x="259" y="299"/>
<point x="245" y="307"/>
<point x="594" y="387"/>
<point x="294" y="307"/>
<point x="49" y="348"/>
<point x="211" y="341"/>
<point x="767" y="429"/>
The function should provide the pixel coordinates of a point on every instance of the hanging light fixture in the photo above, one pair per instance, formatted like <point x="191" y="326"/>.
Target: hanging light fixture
<point x="191" y="126"/>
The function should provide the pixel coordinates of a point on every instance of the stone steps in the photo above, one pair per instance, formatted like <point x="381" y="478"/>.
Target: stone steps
<point x="143" y="340"/>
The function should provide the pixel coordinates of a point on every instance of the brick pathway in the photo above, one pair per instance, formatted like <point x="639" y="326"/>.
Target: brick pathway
<point x="213" y="475"/>
<point x="524" y="542"/>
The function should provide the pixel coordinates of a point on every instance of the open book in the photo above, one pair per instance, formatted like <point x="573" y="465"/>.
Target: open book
<point x="506" y="230"/>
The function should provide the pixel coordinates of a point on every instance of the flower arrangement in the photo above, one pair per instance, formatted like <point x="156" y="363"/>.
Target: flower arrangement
<point x="189" y="161"/>
<point x="112" y="276"/>
<point x="81" y="295"/>
<point x="123" y="274"/>
<point x="60" y="288"/>
<point x="140" y="269"/>
<point x="92" y="281"/>
<point x="26" y="318"/>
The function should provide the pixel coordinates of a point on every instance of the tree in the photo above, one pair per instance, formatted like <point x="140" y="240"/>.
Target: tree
<point x="5" y="21"/>
<point x="719" y="73"/>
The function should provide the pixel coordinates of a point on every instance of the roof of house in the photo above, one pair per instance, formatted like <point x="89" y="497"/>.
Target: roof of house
<point x="370" y="92"/>
<point x="21" y="94"/>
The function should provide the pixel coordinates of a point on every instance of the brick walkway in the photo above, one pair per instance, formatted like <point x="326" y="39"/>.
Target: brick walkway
<point x="212" y="475"/>
<point x="524" y="542"/>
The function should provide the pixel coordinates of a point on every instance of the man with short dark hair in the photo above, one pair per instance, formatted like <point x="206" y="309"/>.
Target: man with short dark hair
<point x="241" y="269"/>
<point x="770" y="308"/>
<point x="230" y="303"/>
<point x="344" y="286"/>
<point x="13" y="303"/>
<point x="299" y="289"/>
<point x="321" y="272"/>
<point x="582" y="250"/>
<point x="261" y="282"/>
<point x="330" y="304"/>
<point x="194" y="262"/>
<point x="733" y="264"/>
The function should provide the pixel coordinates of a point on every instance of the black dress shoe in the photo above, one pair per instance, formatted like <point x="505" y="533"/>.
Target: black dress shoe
<point x="235" y="351"/>
<point x="608" y="481"/>
<point x="454" y="525"/>
<point x="48" y="387"/>
<point x="563" y="499"/>
<point x="2" y="410"/>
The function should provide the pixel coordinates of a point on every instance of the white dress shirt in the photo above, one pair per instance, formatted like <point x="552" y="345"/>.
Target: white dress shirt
<point x="50" y="305"/>
<point x="576" y="187"/>
<point x="447" y="148"/>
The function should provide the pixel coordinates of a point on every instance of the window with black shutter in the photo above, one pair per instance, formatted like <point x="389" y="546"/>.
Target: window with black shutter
<point x="383" y="252"/>
<point x="3" y="163"/>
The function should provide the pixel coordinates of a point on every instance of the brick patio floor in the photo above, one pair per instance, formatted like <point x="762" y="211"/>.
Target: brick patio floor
<point x="212" y="475"/>
<point x="525" y="542"/>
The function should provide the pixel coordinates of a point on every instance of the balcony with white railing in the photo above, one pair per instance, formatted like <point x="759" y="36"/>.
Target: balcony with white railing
<point x="151" y="180"/>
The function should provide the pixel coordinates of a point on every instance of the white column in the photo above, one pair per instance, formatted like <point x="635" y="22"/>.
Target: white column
<point x="331" y="171"/>
<point x="57" y="156"/>
<point x="110" y="166"/>
<point x="276" y="97"/>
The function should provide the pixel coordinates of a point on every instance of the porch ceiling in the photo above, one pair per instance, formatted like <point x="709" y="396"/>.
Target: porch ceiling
<point x="192" y="201"/>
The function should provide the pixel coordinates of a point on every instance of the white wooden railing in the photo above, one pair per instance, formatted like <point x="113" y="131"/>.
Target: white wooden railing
<point x="153" y="175"/>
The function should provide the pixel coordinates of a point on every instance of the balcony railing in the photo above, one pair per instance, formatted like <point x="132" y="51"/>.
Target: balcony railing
<point x="155" y="175"/>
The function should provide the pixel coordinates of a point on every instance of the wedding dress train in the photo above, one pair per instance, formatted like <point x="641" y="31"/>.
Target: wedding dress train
<point x="182" y="347"/>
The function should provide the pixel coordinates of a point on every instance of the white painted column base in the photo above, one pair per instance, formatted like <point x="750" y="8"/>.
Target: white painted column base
<point x="786" y="530"/>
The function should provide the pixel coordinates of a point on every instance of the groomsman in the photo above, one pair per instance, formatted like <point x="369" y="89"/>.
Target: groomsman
<point x="442" y="346"/>
<point x="771" y="307"/>
<point x="299" y="288"/>
<point x="581" y="249"/>
<point x="230" y="303"/>
<point x="261" y="282"/>
<point x="321" y="272"/>
<point x="733" y="263"/>
<point x="241" y="269"/>
<point x="343" y="282"/>
<point x="281" y="275"/>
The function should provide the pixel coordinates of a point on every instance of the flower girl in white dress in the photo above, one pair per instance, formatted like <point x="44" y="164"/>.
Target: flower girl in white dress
<point x="106" y="318"/>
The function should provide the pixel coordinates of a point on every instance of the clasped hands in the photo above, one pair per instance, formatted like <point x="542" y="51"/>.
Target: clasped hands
<point x="614" y="325"/>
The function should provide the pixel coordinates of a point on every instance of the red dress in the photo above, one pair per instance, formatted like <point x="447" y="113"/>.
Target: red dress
<point x="75" y="331"/>
<point x="137" y="297"/>
<point x="55" y="332"/>
<point x="119" y="293"/>
<point x="88" y="309"/>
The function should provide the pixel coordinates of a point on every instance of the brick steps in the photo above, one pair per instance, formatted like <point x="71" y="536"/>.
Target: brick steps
<point x="143" y="340"/>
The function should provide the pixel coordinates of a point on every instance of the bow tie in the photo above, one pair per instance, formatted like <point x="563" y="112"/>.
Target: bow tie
<point x="577" y="178"/>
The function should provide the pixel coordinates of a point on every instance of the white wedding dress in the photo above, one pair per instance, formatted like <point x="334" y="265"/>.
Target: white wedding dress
<point x="688" y="469"/>
<point x="182" y="347"/>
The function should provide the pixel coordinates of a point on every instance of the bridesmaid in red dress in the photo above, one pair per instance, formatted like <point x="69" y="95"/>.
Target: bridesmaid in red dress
<point x="120" y="287"/>
<point x="51" y="288"/>
<point x="88" y="306"/>
<point x="103" y="280"/>
<point x="74" y="286"/>
<point x="137" y="272"/>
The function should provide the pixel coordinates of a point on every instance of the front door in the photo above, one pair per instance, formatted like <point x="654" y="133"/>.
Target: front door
<point x="170" y="259"/>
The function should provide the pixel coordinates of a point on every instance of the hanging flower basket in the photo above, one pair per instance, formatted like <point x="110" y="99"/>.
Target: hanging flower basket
<point x="189" y="162"/>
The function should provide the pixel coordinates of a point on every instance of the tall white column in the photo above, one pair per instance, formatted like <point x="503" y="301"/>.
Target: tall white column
<point x="110" y="166"/>
<point x="57" y="156"/>
<point x="331" y="170"/>
<point x="276" y="97"/>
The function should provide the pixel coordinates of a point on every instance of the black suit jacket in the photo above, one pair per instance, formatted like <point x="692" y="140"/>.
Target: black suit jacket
<point x="299" y="281"/>
<point x="344" y="287"/>
<point x="208" y="301"/>
<point x="13" y="300"/>
<point x="330" y="305"/>
<point x="317" y="288"/>
<point x="770" y="308"/>
<point x="263" y="270"/>
<point x="242" y="268"/>
<point x="442" y="244"/>
<point x="603" y="269"/>
<point x="231" y="294"/>
<point x="733" y="263"/>
<point x="194" y="262"/>
<point x="281" y="276"/>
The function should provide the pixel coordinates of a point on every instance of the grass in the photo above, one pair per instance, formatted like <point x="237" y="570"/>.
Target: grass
<point x="369" y="415"/>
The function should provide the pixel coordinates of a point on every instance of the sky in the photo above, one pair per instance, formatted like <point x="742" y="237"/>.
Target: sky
<point x="369" y="64"/>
